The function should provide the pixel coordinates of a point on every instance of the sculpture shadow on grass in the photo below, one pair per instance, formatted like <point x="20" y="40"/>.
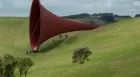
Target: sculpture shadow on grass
<point x="51" y="46"/>
<point x="70" y="40"/>
<point x="57" y="43"/>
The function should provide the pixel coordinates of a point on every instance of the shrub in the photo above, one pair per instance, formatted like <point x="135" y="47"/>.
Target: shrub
<point x="80" y="55"/>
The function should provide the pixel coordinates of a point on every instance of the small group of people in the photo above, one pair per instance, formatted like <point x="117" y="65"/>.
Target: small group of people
<point x="61" y="36"/>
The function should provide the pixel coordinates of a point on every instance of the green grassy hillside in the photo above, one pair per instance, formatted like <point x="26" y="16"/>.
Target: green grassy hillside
<point x="115" y="48"/>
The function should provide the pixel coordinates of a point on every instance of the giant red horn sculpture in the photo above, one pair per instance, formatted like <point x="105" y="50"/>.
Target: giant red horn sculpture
<point x="44" y="25"/>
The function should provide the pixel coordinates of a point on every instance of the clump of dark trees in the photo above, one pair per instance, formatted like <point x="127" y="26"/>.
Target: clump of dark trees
<point x="137" y="15"/>
<point x="122" y="16"/>
<point x="80" y="55"/>
<point x="9" y="63"/>
<point x="107" y="17"/>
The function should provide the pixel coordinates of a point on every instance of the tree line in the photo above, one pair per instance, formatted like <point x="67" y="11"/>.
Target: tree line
<point x="107" y="17"/>
<point x="9" y="63"/>
<point x="122" y="16"/>
<point x="137" y="15"/>
<point x="82" y="15"/>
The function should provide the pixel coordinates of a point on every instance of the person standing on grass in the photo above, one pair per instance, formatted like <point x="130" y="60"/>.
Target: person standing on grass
<point x="66" y="35"/>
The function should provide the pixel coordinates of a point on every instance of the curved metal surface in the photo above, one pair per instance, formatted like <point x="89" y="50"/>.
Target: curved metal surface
<point x="44" y="25"/>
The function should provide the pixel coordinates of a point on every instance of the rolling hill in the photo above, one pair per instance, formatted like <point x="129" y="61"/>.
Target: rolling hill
<point x="115" y="48"/>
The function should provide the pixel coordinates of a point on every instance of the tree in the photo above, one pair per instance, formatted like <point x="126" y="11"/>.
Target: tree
<point x="10" y="64"/>
<point x="107" y="18"/>
<point x="80" y="55"/>
<point x="137" y="15"/>
<point x="24" y="65"/>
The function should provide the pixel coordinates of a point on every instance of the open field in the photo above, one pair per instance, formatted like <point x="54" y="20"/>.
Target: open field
<point x="115" y="48"/>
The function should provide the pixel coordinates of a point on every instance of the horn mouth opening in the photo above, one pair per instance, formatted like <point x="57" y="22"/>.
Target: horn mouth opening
<point x="34" y="28"/>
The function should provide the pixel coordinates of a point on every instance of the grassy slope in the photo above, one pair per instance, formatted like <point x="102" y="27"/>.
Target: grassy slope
<point x="115" y="48"/>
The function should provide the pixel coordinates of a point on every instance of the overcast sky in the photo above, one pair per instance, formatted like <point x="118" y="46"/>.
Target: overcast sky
<point x="69" y="7"/>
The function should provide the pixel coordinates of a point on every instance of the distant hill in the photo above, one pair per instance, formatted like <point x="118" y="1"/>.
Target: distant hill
<point x="98" y="18"/>
<point x="92" y="20"/>
<point x="86" y="18"/>
<point x="82" y="15"/>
